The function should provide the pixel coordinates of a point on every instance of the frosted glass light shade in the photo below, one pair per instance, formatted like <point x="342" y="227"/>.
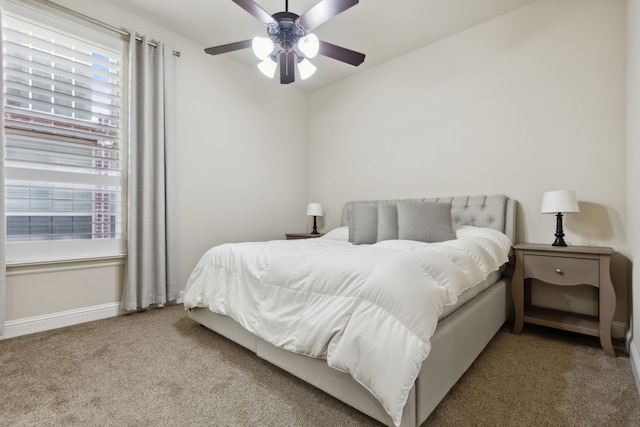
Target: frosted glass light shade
<point x="559" y="201"/>
<point x="306" y="69"/>
<point x="314" y="209"/>
<point x="262" y="47"/>
<point x="309" y="45"/>
<point x="268" y="67"/>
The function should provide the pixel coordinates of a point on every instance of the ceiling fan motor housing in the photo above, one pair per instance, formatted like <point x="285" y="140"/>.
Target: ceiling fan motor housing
<point x="287" y="32"/>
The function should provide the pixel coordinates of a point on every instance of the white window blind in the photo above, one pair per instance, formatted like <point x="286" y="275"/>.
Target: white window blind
<point x="63" y="98"/>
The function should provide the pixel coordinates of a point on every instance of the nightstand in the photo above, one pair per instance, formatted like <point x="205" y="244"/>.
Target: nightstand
<point x="293" y="236"/>
<point x="564" y="266"/>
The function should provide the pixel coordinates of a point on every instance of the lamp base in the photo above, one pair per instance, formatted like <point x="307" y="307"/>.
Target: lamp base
<point x="315" y="227"/>
<point x="559" y="232"/>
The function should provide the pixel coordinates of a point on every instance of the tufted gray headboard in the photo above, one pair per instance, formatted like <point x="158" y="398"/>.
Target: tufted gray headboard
<point x="495" y="211"/>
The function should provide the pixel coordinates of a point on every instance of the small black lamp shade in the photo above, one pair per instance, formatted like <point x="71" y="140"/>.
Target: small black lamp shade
<point x="315" y="209"/>
<point x="559" y="202"/>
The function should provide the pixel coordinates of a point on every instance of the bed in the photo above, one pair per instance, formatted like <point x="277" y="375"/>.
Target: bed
<point x="469" y="295"/>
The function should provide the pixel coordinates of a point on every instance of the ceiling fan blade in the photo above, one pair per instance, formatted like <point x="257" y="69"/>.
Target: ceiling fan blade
<point x="323" y="11"/>
<point x="251" y="7"/>
<point x="287" y="68"/>
<point x="217" y="50"/>
<point x="341" y="54"/>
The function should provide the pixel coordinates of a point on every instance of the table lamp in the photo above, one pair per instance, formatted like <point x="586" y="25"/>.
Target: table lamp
<point x="559" y="202"/>
<point x="314" y="209"/>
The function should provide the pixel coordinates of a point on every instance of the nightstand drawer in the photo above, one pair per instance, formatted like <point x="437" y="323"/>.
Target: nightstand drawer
<point x="562" y="271"/>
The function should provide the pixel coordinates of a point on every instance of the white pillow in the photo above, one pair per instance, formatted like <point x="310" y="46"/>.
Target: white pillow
<point x="340" y="233"/>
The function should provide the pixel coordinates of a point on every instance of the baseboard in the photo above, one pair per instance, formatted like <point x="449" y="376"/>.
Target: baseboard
<point x="30" y="325"/>
<point x="618" y="330"/>
<point x="635" y="362"/>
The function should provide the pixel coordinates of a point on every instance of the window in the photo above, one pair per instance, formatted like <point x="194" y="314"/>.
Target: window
<point x="64" y="157"/>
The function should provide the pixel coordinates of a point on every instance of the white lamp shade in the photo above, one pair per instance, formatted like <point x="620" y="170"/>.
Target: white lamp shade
<point x="309" y="45"/>
<point x="268" y="67"/>
<point x="306" y="69"/>
<point x="262" y="47"/>
<point x="315" y="209"/>
<point x="559" y="201"/>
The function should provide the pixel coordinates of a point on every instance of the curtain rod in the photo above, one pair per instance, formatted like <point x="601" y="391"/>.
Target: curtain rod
<point x="95" y="21"/>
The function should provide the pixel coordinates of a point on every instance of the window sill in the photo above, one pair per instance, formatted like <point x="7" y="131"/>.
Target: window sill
<point x="32" y="267"/>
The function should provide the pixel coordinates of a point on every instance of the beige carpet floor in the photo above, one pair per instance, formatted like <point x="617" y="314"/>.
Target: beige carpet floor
<point x="159" y="368"/>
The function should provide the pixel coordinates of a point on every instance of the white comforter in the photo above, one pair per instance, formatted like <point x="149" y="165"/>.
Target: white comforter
<point x="370" y="310"/>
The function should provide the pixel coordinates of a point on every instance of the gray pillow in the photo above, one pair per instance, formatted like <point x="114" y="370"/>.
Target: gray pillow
<point x="425" y="221"/>
<point x="365" y="223"/>
<point x="387" y="221"/>
<point x="350" y="222"/>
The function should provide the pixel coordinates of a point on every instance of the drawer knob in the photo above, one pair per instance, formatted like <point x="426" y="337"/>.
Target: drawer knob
<point x="559" y="271"/>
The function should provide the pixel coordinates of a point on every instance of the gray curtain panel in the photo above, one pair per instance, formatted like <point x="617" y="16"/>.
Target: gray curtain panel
<point x="150" y="274"/>
<point x="3" y="227"/>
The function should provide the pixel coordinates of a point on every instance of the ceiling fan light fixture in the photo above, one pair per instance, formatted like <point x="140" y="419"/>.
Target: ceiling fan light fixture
<point x="309" y="45"/>
<point x="262" y="47"/>
<point x="289" y="42"/>
<point x="306" y="69"/>
<point x="268" y="67"/>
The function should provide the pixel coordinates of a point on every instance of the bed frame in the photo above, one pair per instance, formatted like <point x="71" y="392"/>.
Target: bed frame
<point x="458" y="340"/>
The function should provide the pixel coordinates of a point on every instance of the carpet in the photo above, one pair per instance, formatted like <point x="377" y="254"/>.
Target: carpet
<point x="159" y="368"/>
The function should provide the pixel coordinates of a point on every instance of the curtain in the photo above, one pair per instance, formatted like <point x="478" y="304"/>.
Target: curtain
<point x="3" y="228"/>
<point x="150" y="273"/>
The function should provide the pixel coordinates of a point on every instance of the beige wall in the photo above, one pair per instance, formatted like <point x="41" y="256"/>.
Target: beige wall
<point x="239" y="176"/>
<point x="633" y="156"/>
<point x="528" y="102"/>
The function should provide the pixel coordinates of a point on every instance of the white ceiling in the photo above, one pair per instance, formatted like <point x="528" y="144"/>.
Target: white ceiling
<point x="382" y="30"/>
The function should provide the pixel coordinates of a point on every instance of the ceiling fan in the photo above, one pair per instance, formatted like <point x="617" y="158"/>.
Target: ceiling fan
<point x="287" y="31"/>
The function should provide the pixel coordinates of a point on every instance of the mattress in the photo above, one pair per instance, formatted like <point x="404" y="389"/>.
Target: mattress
<point x="471" y="293"/>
